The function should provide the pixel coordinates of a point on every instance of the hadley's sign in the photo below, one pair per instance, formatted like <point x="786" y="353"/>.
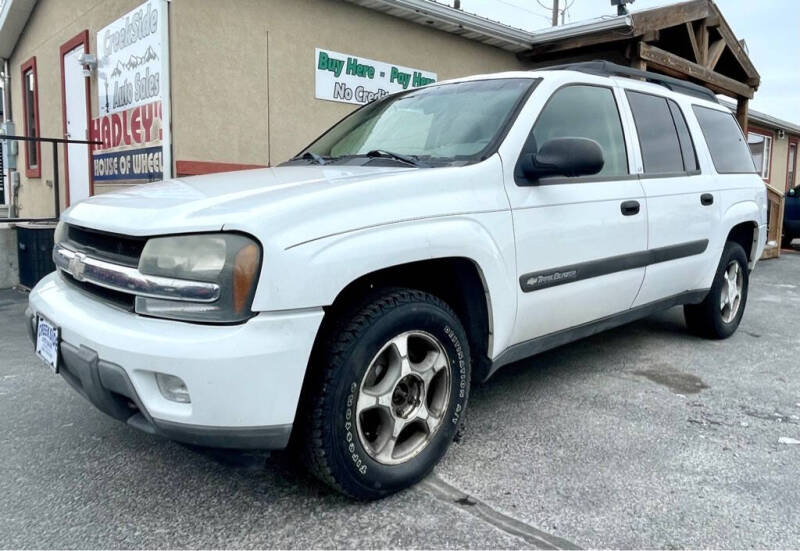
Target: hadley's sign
<point x="131" y="148"/>
<point x="130" y="58"/>
<point x="352" y="79"/>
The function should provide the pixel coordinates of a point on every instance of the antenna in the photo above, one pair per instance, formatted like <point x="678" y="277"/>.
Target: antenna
<point x="622" y="8"/>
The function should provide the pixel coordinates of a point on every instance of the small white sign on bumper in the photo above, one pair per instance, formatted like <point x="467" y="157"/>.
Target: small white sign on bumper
<point x="47" y="342"/>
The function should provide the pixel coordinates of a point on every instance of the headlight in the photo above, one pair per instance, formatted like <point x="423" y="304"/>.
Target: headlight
<point x="60" y="233"/>
<point x="230" y="260"/>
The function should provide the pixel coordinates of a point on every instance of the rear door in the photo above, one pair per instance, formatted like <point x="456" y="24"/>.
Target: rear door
<point x="575" y="236"/>
<point x="683" y="212"/>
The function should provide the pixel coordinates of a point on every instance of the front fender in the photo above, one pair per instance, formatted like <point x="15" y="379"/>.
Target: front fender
<point x="312" y="274"/>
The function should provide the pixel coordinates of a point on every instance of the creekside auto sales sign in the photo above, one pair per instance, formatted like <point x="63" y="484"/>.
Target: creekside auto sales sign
<point x="130" y="91"/>
<point x="351" y="79"/>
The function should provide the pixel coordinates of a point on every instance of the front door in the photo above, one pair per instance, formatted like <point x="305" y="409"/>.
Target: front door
<point x="76" y="120"/>
<point x="577" y="238"/>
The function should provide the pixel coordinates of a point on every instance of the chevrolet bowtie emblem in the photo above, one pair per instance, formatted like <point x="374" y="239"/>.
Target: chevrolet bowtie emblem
<point x="77" y="265"/>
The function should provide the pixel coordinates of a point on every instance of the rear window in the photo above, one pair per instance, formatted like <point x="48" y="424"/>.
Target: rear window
<point x="727" y="145"/>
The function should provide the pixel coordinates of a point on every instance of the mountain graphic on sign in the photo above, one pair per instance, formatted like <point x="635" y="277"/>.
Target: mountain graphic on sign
<point x="134" y="61"/>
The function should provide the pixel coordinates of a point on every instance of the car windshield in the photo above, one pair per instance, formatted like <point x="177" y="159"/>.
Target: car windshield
<point x="449" y="122"/>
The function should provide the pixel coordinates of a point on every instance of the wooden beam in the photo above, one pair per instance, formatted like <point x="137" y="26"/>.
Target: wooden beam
<point x="714" y="52"/>
<point x="702" y="42"/>
<point x="742" y="113"/>
<point x="698" y="56"/>
<point x="738" y="52"/>
<point x="571" y="43"/>
<point x="669" y="16"/>
<point x="661" y="58"/>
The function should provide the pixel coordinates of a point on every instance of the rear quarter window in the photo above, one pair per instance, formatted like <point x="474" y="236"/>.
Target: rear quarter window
<point x="727" y="145"/>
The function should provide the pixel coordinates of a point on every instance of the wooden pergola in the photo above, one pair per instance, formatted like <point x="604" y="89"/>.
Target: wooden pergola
<point x="690" y="40"/>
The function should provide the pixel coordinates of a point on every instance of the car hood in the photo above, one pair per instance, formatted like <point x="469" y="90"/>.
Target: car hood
<point x="209" y="202"/>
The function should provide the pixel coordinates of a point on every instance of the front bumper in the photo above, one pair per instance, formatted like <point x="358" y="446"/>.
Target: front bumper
<point x="244" y="380"/>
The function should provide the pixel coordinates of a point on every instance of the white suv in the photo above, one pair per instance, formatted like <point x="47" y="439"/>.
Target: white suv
<point x="346" y="298"/>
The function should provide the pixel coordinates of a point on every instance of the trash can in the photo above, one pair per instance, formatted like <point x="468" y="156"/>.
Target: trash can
<point x="35" y="251"/>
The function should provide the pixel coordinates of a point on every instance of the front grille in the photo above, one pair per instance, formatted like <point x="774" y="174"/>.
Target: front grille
<point x="120" y="249"/>
<point x="117" y="299"/>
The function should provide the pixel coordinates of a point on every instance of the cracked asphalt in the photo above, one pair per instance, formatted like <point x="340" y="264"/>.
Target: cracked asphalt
<point x="641" y="437"/>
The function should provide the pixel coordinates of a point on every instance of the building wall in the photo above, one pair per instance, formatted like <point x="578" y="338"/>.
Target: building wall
<point x="50" y="25"/>
<point x="242" y="73"/>
<point x="779" y="156"/>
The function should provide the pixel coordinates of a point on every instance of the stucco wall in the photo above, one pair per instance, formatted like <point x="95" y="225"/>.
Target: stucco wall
<point x="269" y="46"/>
<point x="242" y="73"/>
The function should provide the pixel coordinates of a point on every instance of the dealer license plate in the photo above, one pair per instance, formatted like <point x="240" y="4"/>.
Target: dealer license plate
<point x="47" y="342"/>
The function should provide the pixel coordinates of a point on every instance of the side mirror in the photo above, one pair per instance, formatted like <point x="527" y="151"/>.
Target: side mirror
<point x="564" y="157"/>
<point x="792" y="192"/>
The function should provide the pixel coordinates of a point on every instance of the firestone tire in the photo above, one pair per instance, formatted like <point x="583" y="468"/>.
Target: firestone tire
<point x="714" y="318"/>
<point x="345" y="436"/>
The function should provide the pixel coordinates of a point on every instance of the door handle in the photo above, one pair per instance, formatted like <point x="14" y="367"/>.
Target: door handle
<point x="629" y="208"/>
<point x="706" y="199"/>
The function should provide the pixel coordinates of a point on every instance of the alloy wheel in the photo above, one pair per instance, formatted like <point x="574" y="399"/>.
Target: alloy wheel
<point x="403" y="397"/>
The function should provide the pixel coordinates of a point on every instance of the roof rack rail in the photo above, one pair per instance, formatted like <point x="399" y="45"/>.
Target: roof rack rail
<point x="607" y="69"/>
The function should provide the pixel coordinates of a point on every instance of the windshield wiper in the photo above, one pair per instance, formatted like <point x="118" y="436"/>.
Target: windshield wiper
<point x="403" y="158"/>
<point x="310" y="156"/>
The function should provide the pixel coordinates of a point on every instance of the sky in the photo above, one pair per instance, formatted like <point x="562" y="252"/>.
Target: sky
<point x="771" y="29"/>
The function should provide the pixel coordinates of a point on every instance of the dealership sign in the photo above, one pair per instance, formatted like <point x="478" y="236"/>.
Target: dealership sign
<point x="133" y="164"/>
<point x="130" y="59"/>
<point x="131" y="140"/>
<point x="350" y="79"/>
<point x="132" y="90"/>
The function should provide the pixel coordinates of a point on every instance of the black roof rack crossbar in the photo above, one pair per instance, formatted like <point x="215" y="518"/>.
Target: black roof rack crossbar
<point x="607" y="69"/>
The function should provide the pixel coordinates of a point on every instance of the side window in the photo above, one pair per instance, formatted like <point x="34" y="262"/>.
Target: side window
<point x="658" y="135"/>
<point x="583" y="111"/>
<point x="685" y="137"/>
<point x="761" y="151"/>
<point x="727" y="145"/>
<point x="30" y="109"/>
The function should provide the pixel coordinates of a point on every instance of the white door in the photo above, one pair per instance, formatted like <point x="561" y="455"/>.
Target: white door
<point x="75" y="100"/>
<point x="683" y="204"/>
<point x="579" y="240"/>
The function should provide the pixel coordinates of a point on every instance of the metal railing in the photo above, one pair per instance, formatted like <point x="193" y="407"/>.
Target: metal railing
<point x="56" y="190"/>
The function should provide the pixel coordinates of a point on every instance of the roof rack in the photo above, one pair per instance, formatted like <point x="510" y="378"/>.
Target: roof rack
<point x="608" y="69"/>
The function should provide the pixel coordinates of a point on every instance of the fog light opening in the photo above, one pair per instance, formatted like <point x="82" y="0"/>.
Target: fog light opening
<point x="173" y="388"/>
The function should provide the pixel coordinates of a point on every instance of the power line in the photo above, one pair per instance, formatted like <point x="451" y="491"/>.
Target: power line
<point x="525" y="9"/>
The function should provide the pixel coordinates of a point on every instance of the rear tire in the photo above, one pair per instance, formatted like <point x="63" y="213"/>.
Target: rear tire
<point x="388" y="390"/>
<point x="786" y="241"/>
<point x="718" y="316"/>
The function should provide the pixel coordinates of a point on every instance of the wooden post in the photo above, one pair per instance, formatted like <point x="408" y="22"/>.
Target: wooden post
<point x="741" y="112"/>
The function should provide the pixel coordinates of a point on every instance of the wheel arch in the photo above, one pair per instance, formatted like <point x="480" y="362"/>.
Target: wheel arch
<point x="457" y="280"/>
<point x="741" y="220"/>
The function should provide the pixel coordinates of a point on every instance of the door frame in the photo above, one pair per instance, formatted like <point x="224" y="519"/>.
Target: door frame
<point x="80" y="38"/>
<point x="792" y="141"/>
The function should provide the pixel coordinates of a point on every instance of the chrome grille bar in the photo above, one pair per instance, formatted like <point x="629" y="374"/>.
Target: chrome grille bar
<point x="130" y="280"/>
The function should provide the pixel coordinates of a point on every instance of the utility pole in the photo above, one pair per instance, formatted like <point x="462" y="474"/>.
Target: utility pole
<point x="555" y="13"/>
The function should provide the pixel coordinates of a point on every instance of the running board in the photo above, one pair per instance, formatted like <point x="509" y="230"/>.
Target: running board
<point x="546" y="342"/>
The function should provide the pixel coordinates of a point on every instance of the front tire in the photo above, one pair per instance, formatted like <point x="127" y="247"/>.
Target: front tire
<point x="389" y="389"/>
<point x="718" y="316"/>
